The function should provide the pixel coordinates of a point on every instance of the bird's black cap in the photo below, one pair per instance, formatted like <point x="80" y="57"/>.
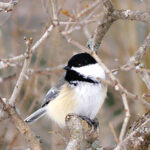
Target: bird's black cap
<point x="79" y="60"/>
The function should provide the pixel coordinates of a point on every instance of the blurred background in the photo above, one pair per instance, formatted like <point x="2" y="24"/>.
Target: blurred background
<point x="31" y="19"/>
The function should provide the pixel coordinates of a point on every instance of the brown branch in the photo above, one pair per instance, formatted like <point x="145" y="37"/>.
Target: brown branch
<point x="22" y="74"/>
<point x="74" y="125"/>
<point x="131" y="15"/>
<point x="103" y="26"/>
<point x="81" y="136"/>
<point x="21" y="126"/>
<point x="138" y="138"/>
<point x="112" y="15"/>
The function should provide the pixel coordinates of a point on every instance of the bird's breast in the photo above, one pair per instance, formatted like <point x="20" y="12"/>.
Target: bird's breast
<point x="84" y="99"/>
<point x="90" y="98"/>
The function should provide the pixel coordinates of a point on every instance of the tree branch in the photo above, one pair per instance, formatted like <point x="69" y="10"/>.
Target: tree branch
<point x="139" y="135"/>
<point x="74" y="124"/>
<point x="82" y="137"/>
<point x="103" y="26"/>
<point x="131" y="15"/>
<point x="21" y="125"/>
<point x="22" y="74"/>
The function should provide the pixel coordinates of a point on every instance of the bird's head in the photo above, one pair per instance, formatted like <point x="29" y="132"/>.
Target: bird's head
<point x="84" y="65"/>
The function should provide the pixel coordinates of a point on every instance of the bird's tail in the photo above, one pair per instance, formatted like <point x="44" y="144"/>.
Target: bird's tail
<point x="36" y="115"/>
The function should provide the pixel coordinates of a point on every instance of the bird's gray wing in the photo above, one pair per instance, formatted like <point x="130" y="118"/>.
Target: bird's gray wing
<point x="36" y="115"/>
<point x="53" y="92"/>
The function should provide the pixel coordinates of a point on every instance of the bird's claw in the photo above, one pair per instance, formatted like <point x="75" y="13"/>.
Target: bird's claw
<point x="91" y="123"/>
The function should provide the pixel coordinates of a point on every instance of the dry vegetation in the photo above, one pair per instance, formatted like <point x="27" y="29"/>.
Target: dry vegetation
<point x="36" y="40"/>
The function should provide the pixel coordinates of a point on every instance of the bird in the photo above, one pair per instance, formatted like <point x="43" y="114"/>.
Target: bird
<point x="78" y="91"/>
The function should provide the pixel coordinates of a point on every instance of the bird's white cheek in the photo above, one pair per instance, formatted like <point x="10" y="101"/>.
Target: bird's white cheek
<point x="93" y="71"/>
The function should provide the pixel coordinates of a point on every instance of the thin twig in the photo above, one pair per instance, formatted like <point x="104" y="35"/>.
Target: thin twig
<point x="54" y="8"/>
<point x="113" y="132"/>
<point x="34" y="47"/>
<point x="22" y="74"/>
<point x="138" y="55"/>
<point x="146" y="78"/>
<point x="10" y="77"/>
<point x="127" y="117"/>
<point x="5" y="64"/>
<point x="69" y="29"/>
<point x="85" y="10"/>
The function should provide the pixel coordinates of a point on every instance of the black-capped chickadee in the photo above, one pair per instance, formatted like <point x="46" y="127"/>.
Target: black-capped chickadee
<point x="79" y="92"/>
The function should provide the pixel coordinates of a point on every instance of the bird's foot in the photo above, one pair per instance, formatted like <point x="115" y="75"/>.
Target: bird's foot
<point x="95" y="123"/>
<point x="91" y="123"/>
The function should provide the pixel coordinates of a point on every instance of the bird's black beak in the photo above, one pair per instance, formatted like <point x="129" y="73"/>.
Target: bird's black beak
<point x="67" y="68"/>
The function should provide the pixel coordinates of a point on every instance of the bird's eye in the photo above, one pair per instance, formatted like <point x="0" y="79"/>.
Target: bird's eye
<point x="86" y="62"/>
<point x="79" y="65"/>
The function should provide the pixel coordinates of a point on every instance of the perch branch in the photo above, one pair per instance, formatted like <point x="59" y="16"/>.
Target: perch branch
<point x="74" y="125"/>
<point x="81" y="137"/>
<point x="21" y="125"/>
